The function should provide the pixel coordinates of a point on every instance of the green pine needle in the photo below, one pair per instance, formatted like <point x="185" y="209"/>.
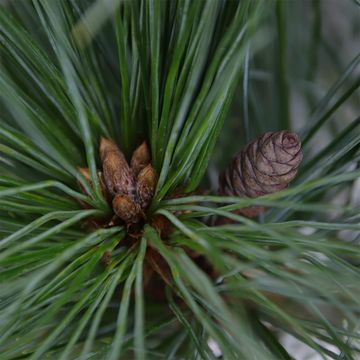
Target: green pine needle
<point x="196" y="80"/>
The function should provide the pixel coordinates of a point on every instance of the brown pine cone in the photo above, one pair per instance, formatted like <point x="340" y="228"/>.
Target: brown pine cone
<point x="264" y="166"/>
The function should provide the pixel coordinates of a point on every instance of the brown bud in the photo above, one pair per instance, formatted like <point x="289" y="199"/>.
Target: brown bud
<point x="264" y="166"/>
<point x="126" y="208"/>
<point x="107" y="195"/>
<point x="140" y="158"/>
<point x="106" y="258"/>
<point x="146" y="184"/>
<point x="117" y="174"/>
<point x="86" y="173"/>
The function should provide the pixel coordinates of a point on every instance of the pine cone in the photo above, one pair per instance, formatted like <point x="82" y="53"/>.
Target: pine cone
<point x="264" y="166"/>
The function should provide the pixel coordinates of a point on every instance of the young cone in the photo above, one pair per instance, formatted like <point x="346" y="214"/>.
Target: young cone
<point x="264" y="166"/>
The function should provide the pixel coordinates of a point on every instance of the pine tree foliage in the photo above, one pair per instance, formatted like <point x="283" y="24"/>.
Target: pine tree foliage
<point x="196" y="80"/>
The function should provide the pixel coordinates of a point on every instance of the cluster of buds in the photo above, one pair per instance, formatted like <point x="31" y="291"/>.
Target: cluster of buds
<point x="128" y="188"/>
